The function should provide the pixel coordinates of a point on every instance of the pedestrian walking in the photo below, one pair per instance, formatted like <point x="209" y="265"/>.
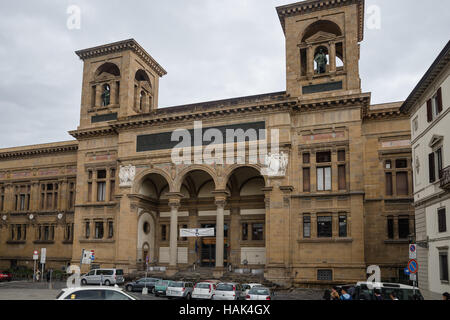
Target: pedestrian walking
<point x="38" y="275"/>
<point x="47" y="275"/>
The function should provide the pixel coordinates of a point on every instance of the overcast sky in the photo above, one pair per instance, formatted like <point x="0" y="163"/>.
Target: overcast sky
<point x="212" y="49"/>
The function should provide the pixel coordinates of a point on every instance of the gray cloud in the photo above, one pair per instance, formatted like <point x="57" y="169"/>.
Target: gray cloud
<point x="212" y="49"/>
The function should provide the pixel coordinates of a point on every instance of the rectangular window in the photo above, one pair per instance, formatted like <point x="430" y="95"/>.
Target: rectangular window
<point x="46" y="233"/>
<point x="402" y="183"/>
<point x="432" y="167"/>
<point x="342" y="179"/>
<point x="401" y="163"/>
<point x="306" y="158"/>
<point x="442" y="220"/>
<point x="324" y="226"/>
<point x="322" y="157"/>
<point x="110" y="229"/>
<point x="443" y="264"/>
<point x="390" y="227"/>
<point x="324" y="179"/>
<point x="343" y="226"/>
<point x="306" y="180"/>
<point x="257" y="231"/>
<point x="389" y="191"/>
<point x="306" y="226"/>
<point x="98" y="230"/>
<point x="439" y="162"/>
<point x="325" y="275"/>
<point x="87" y="230"/>
<point x="245" y="231"/>
<point x="341" y="155"/>
<point x="403" y="228"/>
<point x="163" y="232"/>
<point x="101" y="191"/>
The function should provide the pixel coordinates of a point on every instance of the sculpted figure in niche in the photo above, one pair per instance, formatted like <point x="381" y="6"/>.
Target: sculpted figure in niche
<point x="321" y="60"/>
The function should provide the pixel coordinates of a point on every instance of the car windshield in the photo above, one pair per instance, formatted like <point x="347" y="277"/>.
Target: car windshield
<point x="259" y="291"/>
<point x="224" y="287"/>
<point x="203" y="285"/>
<point x="177" y="284"/>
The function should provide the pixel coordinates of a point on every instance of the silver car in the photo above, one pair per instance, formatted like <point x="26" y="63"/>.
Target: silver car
<point x="259" y="293"/>
<point x="105" y="277"/>
<point x="229" y="291"/>
<point x="180" y="290"/>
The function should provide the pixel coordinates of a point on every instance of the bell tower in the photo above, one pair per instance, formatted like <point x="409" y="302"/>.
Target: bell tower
<point x="322" y="47"/>
<point x="119" y="79"/>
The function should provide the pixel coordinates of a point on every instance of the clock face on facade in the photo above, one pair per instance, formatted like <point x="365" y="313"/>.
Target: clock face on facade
<point x="31" y="216"/>
<point x="60" y="215"/>
<point x="4" y="218"/>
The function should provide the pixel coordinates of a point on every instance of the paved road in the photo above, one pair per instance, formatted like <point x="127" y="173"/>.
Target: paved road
<point x="24" y="290"/>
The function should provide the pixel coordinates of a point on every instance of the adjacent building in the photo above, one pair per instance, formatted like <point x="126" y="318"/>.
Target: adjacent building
<point x="428" y="106"/>
<point x="343" y="202"/>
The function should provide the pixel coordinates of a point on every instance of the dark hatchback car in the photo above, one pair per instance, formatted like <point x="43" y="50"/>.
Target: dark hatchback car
<point x="139" y="284"/>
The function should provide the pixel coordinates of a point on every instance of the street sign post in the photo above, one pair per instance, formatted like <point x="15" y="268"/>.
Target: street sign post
<point x="412" y="251"/>
<point x="413" y="267"/>
<point x="35" y="258"/>
<point x="43" y="258"/>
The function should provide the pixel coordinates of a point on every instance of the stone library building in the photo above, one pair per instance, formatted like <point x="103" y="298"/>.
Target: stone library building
<point x="343" y="202"/>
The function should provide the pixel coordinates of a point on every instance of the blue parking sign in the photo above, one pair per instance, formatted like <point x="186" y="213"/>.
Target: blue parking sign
<point x="406" y="271"/>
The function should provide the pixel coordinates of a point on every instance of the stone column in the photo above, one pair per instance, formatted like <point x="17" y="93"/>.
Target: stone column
<point x="108" y="185"/>
<point x="98" y="95"/>
<point x="310" y="61"/>
<point x="94" y="186"/>
<point x="332" y="57"/>
<point x="173" y="255"/>
<point x="220" y="203"/>
<point x="113" y="96"/>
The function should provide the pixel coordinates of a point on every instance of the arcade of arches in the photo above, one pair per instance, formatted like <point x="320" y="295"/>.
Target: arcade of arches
<point x="237" y="213"/>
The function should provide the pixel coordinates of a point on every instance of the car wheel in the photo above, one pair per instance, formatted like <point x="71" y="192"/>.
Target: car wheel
<point x="129" y="288"/>
<point x="107" y="283"/>
<point x="84" y="282"/>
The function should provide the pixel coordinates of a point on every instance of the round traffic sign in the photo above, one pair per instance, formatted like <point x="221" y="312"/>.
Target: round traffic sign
<point x="412" y="248"/>
<point x="35" y="252"/>
<point x="413" y="266"/>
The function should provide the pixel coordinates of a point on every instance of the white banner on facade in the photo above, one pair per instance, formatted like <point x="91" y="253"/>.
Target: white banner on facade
<point x="204" y="232"/>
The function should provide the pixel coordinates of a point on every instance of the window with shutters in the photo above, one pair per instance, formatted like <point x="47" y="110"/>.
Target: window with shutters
<point x="442" y="220"/>
<point x="434" y="106"/>
<point x="443" y="266"/>
<point x="435" y="165"/>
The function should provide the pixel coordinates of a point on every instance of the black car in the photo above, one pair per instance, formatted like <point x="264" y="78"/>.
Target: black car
<point x="139" y="284"/>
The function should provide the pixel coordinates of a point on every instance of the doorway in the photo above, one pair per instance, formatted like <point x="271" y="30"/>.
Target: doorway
<point x="208" y="248"/>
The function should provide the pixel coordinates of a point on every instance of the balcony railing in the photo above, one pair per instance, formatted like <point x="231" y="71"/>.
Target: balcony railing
<point x="445" y="180"/>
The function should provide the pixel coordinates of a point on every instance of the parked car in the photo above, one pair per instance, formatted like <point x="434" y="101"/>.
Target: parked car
<point x="106" y="277"/>
<point x="248" y="286"/>
<point x="259" y="293"/>
<point x="204" y="290"/>
<point x="229" y="291"/>
<point x="365" y="291"/>
<point x="161" y="287"/>
<point x="139" y="284"/>
<point x="5" y="276"/>
<point x="180" y="290"/>
<point x="94" y="293"/>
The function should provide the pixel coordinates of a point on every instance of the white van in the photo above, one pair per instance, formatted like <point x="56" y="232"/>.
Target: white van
<point x="106" y="277"/>
<point x="366" y="291"/>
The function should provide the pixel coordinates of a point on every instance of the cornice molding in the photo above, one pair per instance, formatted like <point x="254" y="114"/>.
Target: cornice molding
<point x="38" y="151"/>
<point x="316" y="5"/>
<point x="120" y="46"/>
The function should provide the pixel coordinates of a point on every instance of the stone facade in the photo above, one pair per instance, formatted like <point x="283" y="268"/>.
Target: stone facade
<point x="324" y="220"/>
